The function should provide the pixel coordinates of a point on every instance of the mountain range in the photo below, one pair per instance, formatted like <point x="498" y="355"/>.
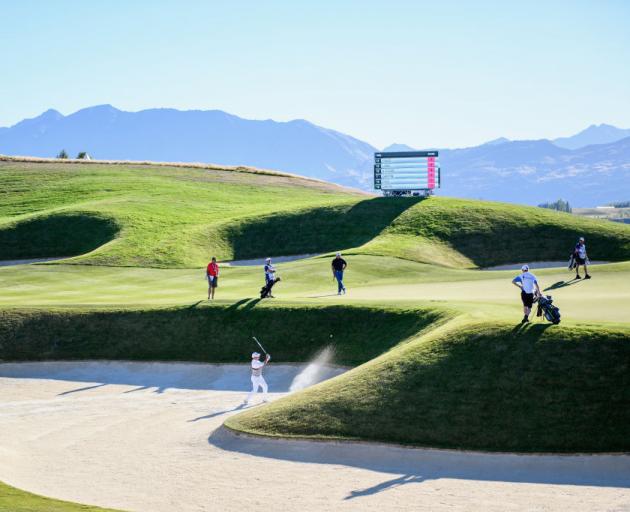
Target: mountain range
<point x="587" y="169"/>
<point x="210" y="136"/>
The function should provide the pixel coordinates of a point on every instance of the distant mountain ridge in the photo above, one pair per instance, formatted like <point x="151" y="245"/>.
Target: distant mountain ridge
<point x="594" y="134"/>
<point x="535" y="171"/>
<point x="530" y="172"/>
<point x="211" y="136"/>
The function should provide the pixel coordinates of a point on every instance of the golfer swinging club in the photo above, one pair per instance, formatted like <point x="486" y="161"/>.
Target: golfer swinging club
<point x="257" y="378"/>
<point x="527" y="282"/>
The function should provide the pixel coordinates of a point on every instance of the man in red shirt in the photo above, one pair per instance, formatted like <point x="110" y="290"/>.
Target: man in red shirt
<point x="212" y="273"/>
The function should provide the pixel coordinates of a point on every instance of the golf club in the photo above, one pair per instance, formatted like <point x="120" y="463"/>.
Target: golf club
<point x="261" y="347"/>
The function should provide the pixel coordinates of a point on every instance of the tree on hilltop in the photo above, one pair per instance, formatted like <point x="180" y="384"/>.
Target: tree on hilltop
<point x="560" y="205"/>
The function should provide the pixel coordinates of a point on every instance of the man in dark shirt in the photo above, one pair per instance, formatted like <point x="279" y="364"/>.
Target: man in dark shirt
<point x="338" y="266"/>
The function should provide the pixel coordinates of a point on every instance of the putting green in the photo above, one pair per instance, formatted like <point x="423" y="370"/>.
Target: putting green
<point x="370" y="279"/>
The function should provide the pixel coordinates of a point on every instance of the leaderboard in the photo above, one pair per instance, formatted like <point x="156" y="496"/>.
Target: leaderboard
<point x="406" y="171"/>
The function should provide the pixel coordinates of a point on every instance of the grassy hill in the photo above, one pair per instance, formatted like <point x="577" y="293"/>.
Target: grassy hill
<point x="144" y="215"/>
<point x="438" y="357"/>
<point x="160" y="216"/>
<point x="483" y="233"/>
<point x="475" y="385"/>
<point x="16" y="500"/>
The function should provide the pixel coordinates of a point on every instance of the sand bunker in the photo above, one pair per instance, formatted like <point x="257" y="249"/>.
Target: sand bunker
<point x="148" y="437"/>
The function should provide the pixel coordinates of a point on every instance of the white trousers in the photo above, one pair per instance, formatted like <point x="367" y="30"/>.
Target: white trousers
<point x="256" y="383"/>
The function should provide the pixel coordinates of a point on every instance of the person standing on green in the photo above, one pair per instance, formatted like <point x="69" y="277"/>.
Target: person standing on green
<point x="338" y="267"/>
<point x="212" y="274"/>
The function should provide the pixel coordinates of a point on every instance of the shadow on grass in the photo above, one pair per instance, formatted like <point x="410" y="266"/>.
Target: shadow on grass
<point x="562" y="284"/>
<point x="68" y="234"/>
<point x="243" y="305"/>
<point x="316" y="230"/>
<point x="195" y="304"/>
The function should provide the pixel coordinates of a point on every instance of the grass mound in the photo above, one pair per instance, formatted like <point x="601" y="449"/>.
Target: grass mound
<point x="321" y="229"/>
<point x="179" y="217"/>
<point x="293" y="333"/>
<point x="168" y="216"/>
<point x="15" y="500"/>
<point x="483" y="386"/>
<point x="456" y="231"/>
<point x="55" y="235"/>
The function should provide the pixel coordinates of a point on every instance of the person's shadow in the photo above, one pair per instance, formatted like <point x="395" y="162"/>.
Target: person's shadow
<point x="219" y="413"/>
<point x="383" y="486"/>
<point x="562" y="284"/>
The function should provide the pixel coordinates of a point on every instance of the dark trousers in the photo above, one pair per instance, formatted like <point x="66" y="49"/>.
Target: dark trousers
<point x="339" y="277"/>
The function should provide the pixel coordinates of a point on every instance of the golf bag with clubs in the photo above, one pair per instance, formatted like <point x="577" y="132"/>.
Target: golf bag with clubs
<point x="548" y="310"/>
<point x="265" y="291"/>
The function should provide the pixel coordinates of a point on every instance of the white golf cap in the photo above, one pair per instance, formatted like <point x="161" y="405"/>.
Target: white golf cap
<point x="268" y="259"/>
<point x="338" y="254"/>
<point x="525" y="268"/>
<point x="255" y="355"/>
<point x="581" y="239"/>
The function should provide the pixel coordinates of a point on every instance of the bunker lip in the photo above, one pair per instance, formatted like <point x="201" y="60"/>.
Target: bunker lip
<point x="579" y="469"/>
<point x="225" y="432"/>
<point x="538" y="265"/>
<point x="11" y="263"/>
<point x="275" y="259"/>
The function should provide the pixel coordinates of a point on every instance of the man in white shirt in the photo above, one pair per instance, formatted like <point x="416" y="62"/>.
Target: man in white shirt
<point x="528" y="284"/>
<point x="257" y="378"/>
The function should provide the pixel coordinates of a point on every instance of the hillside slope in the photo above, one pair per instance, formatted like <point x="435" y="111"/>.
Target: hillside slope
<point x="460" y="232"/>
<point x="473" y="385"/>
<point x="140" y="215"/>
<point x="160" y="216"/>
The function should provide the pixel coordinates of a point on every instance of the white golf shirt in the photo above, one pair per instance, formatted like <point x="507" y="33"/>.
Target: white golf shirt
<point x="527" y="280"/>
<point x="581" y="250"/>
<point x="257" y="366"/>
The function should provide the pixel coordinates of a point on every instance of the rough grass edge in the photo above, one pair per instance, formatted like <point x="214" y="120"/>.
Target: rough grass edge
<point x="183" y="165"/>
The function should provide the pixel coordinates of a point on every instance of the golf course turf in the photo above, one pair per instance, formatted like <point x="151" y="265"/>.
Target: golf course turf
<point x="15" y="500"/>
<point x="168" y="217"/>
<point x="439" y="359"/>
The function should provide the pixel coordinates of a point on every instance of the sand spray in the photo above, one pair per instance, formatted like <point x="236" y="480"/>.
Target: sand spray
<point x="315" y="371"/>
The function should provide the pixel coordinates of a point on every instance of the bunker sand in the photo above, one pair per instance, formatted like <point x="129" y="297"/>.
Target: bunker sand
<point x="148" y="436"/>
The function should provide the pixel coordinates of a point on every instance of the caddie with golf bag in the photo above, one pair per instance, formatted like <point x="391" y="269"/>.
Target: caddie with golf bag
<point x="528" y="284"/>
<point x="258" y="381"/>
<point x="270" y="280"/>
<point x="547" y="309"/>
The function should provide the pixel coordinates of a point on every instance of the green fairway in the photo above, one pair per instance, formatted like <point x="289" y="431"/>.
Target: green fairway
<point x="370" y="279"/>
<point x="15" y="500"/>
<point x="439" y="355"/>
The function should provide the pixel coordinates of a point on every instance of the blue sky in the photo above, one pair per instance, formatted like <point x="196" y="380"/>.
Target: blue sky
<point x="443" y="74"/>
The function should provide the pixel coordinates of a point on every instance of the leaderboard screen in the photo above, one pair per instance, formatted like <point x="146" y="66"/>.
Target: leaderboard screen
<point x="406" y="171"/>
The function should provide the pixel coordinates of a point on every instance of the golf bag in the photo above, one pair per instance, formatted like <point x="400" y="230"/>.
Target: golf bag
<point x="265" y="291"/>
<point x="548" y="310"/>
